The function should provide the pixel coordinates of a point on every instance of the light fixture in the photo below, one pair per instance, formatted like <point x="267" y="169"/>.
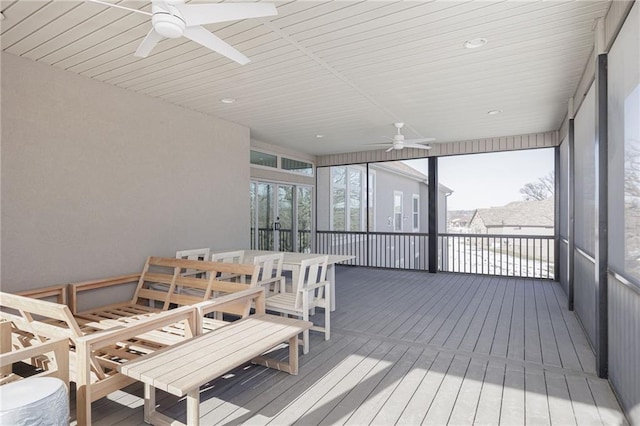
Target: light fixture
<point x="227" y="100"/>
<point x="475" y="43"/>
<point x="494" y="112"/>
<point x="319" y="136"/>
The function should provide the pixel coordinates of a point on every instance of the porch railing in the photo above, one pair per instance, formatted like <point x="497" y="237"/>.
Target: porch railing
<point x="528" y="256"/>
<point x="377" y="249"/>
<point x="266" y="240"/>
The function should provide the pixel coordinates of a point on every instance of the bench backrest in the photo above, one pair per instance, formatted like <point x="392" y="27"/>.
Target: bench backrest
<point x="39" y="317"/>
<point x="162" y="281"/>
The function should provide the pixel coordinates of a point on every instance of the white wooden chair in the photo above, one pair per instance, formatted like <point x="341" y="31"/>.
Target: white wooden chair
<point x="270" y="275"/>
<point x="195" y="254"/>
<point x="311" y="291"/>
<point x="229" y="257"/>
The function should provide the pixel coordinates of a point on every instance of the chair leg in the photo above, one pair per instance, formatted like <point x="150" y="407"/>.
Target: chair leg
<point x="305" y="334"/>
<point x="327" y="314"/>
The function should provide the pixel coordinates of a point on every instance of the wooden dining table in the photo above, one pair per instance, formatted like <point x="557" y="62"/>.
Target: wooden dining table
<point x="292" y="262"/>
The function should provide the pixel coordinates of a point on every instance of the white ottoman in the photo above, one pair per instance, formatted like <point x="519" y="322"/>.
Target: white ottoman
<point x="34" y="401"/>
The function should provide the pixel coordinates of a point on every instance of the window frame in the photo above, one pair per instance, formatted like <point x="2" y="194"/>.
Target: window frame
<point x="347" y="191"/>
<point x="415" y="212"/>
<point x="279" y="158"/>
<point x="397" y="222"/>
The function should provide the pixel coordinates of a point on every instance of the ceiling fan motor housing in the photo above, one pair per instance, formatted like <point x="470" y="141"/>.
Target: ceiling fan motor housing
<point x="167" y="25"/>
<point x="167" y="20"/>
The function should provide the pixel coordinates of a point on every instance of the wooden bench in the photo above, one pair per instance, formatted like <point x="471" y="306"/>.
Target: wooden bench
<point x="93" y="366"/>
<point x="160" y="286"/>
<point x="181" y="369"/>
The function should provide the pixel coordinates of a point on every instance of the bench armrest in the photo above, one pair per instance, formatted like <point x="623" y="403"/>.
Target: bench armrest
<point x="238" y="303"/>
<point x="60" y="348"/>
<point x="57" y="291"/>
<point x="76" y="288"/>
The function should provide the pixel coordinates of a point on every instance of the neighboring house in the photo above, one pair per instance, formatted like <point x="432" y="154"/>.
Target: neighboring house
<point x="458" y="221"/>
<point x="516" y="218"/>
<point x="398" y="199"/>
<point x="398" y="204"/>
<point x="402" y="199"/>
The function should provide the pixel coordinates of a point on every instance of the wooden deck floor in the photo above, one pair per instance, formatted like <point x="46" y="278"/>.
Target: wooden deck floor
<point x="411" y="348"/>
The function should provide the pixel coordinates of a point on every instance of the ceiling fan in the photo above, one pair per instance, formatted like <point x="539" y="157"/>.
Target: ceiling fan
<point x="399" y="142"/>
<point x="174" y="19"/>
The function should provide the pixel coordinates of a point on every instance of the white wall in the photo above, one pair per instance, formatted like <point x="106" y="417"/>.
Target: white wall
<point x="96" y="178"/>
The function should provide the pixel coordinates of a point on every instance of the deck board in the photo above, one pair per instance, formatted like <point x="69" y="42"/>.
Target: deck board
<point x="412" y="347"/>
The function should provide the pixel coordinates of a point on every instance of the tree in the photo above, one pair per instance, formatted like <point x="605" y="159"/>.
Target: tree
<point x="541" y="189"/>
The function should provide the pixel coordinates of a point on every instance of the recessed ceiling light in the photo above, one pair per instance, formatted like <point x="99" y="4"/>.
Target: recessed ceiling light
<point x="494" y="112"/>
<point x="475" y="43"/>
<point x="319" y="136"/>
<point x="227" y="100"/>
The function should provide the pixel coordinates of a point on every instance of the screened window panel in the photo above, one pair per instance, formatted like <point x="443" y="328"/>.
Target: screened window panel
<point x="323" y="198"/>
<point x="563" y="177"/>
<point x="624" y="149"/>
<point x="263" y="159"/>
<point x="297" y="166"/>
<point x="585" y="204"/>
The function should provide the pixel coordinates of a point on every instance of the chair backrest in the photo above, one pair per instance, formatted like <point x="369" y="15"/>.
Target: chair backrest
<point x="270" y="268"/>
<point x="194" y="254"/>
<point x="312" y="271"/>
<point x="228" y="257"/>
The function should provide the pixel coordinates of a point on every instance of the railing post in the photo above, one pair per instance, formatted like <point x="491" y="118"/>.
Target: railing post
<point x="571" y="210"/>
<point x="601" y="231"/>
<point x="556" y="214"/>
<point x="433" y="214"/>
<point x="367" y="237"/>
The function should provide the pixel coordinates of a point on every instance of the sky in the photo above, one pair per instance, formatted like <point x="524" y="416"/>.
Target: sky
<point x="489" y="180"/>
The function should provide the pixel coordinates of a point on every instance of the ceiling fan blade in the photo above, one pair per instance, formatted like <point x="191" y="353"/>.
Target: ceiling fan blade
<point x="201" y="14"/>
<point x="148" y="44"/>
<point x="377" y="144"/>
<point x="204" y="37"/>
<point x="419" y="140"/>
<point x="389" y="150"/>
<point x="413" y="145"/>
<point x="104" y="3"/>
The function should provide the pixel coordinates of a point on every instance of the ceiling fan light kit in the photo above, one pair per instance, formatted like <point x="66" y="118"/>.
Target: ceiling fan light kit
<point x="175" y="19"/>
<point x="169" y="26"/>
<point x="399" y="142"/>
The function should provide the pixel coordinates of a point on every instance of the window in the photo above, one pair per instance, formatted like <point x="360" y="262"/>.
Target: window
<point x="397" y="210"/>
<point x="263" y="159"/>
<point x="296" y="166"/>
<point x="338" y="198"/>
<point x="371" y="211"/>
<point x="416" y="212"/>
<point x="289" y="165"/>
<point x="347" y="198"/>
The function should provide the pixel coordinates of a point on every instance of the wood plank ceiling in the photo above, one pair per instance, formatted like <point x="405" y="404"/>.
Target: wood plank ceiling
<point x="343" y="69"/>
